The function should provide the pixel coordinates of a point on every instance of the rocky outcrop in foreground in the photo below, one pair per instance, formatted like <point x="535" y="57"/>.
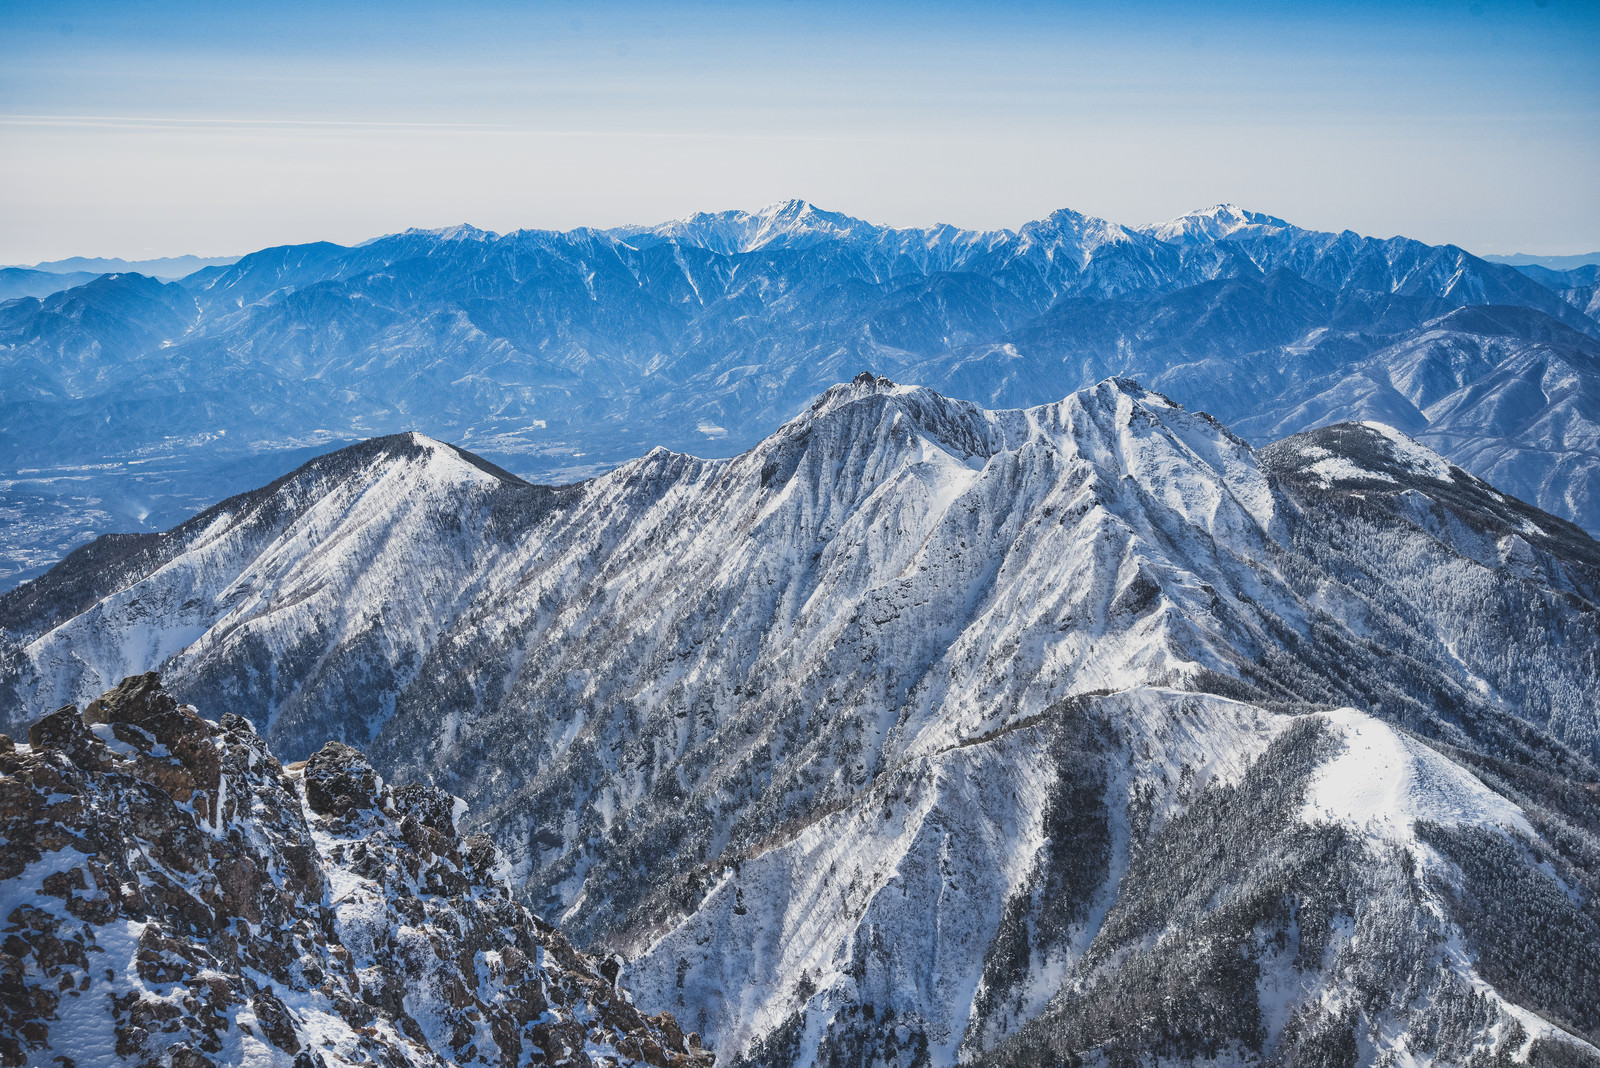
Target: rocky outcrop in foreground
<point x="170" y="894"/>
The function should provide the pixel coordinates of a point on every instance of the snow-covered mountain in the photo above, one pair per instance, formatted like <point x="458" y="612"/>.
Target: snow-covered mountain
<point x="923" y="732"/>
<point x="126" y="405"/>
<point x="1213" y="224"/>
<point x="789" y="224"/>
<point x="174" y="895"/>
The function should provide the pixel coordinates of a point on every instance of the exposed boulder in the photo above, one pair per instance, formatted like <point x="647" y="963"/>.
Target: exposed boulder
<point x="339" y="779"/>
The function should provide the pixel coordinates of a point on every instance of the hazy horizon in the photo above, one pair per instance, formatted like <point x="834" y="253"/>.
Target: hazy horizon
<point x="178" y="127"/>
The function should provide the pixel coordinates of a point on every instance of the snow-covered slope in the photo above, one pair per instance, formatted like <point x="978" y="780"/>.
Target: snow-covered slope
<point x="898" y="713"/>
<point x="272" y="583"/>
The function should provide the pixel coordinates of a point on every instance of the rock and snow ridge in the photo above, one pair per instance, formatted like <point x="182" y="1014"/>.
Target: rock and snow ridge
<point x="914" y="681"/>
<point x="173" y="895"/>
<point x="794" y="223"/>
<point x="902" y="474"/>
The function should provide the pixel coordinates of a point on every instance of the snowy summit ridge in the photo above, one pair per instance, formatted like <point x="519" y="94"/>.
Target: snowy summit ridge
<point x="787" y="224"/>
<point x="1216" y="223"/>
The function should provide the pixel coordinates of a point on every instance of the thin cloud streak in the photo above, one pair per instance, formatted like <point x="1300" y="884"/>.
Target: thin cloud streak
<point x="191" y="122"/>
<point x="147" y="122"/>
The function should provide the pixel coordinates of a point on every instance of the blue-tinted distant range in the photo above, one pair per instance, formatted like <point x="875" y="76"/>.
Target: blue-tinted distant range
<point x="129" y="403"/>
<point x="174" y="127"/>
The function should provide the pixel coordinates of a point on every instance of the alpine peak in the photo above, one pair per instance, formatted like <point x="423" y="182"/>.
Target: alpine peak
<point x="1211" y="224"/>
<point x="458" y="232"/>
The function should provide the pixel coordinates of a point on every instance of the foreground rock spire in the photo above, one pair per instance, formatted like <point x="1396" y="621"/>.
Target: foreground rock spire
<point x="172" y="895"/>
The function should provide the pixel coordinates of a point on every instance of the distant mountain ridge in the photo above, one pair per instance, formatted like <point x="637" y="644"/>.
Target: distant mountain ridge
<point x="924" y="733"/>
<point x="164" y="267"/>
<point x="127" y="404"/>
<point x="1554" y="263"/>
<point x="43" y="279"/>
<point x="23" y="282"/>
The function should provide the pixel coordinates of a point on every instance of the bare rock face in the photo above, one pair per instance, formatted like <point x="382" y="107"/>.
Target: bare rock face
<point x="338" y="779"/>
<point x="172" y="895"/>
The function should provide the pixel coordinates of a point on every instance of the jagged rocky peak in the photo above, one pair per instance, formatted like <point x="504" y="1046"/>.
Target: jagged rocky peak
<point x="873" y="416"/>
<point x="871" y="410"/>
<point x="983" y="433"/>
<point x="173" y="895"/>
<point x="865" y="384"/>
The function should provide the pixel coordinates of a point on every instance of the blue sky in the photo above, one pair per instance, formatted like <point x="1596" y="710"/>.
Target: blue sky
<point x="155" y="127"/>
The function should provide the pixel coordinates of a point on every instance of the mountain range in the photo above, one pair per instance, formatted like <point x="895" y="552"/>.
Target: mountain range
<point x="922" y="732"/>
<point x="1555" y="263"/>
<point x="127" y="404"/>
<point x="43" y="279"/>
<point x="166" y="267"/>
